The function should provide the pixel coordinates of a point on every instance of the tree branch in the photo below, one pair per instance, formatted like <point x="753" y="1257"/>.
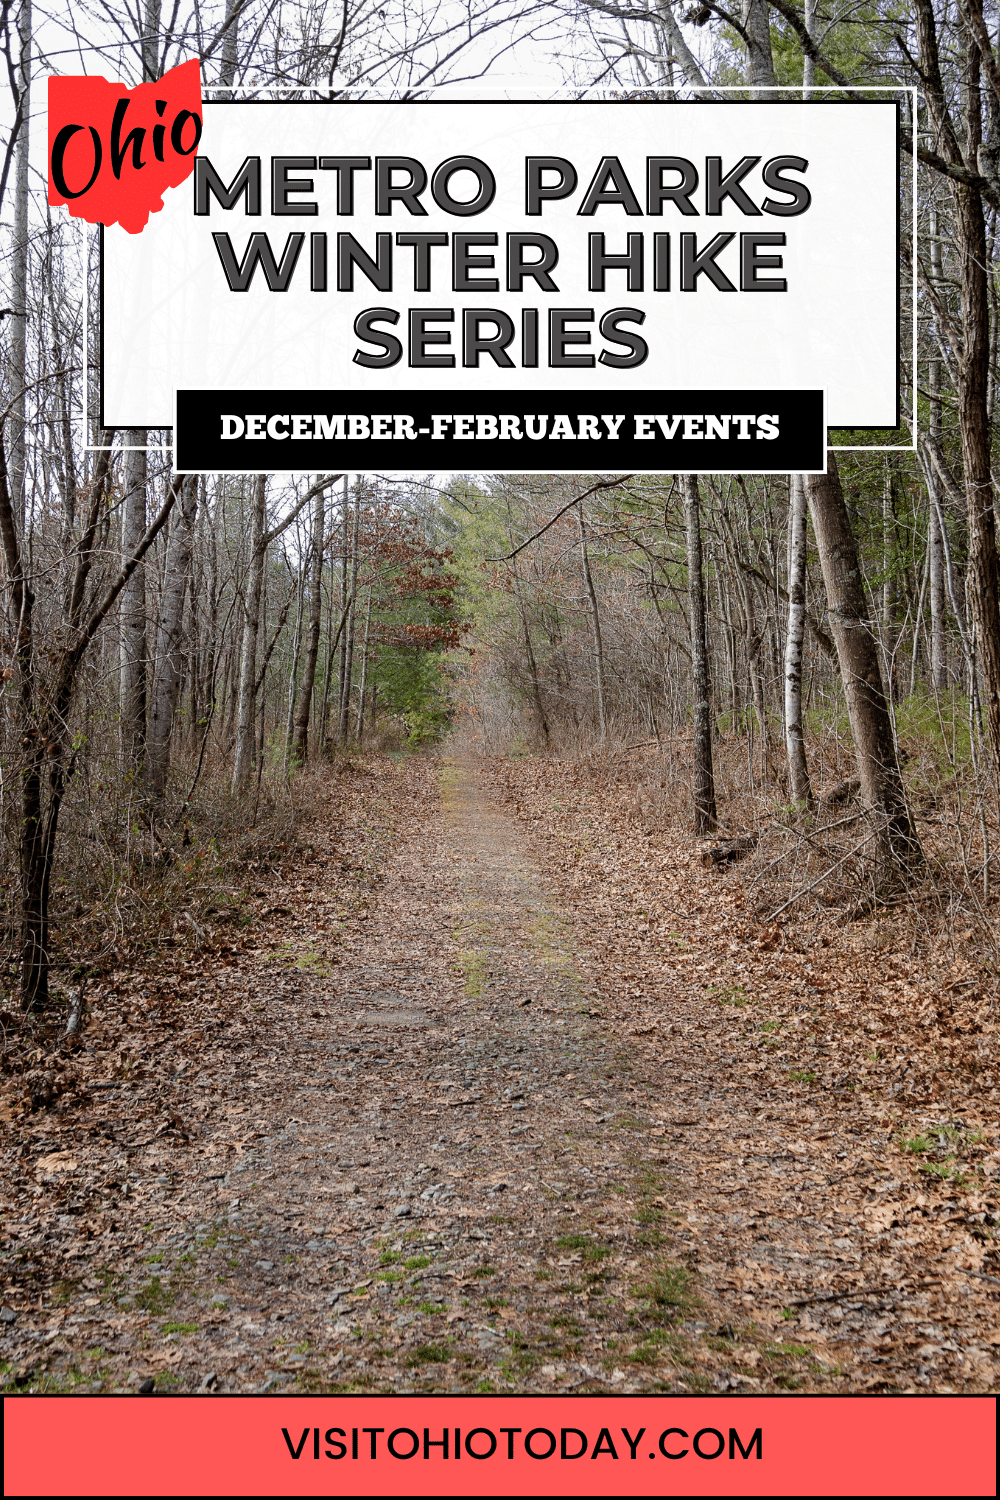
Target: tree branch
<point x="603" y="484"/>
<point x="276" y="530"/>
<point x="107" y="603"/>
<point x="823" y="641"/>
<point x="810" y="49"/>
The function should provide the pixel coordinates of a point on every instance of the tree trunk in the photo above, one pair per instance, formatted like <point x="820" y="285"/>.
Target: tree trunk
<point x="522" y="609"/>
<point x="133" y="607"/>
<point x="897" y="845"/>
<point x="293" y="672"/>
<point x="889" y="587"/>
<point x="19" y="275"/>
<point x="360" y="726"/>
<point x="595" y="627"/>
<point x="935" y="537"/>
<point x="150" y="45"/>
<point x="243" y="761"/>
<point x="536" y="686"/>
<point x="808" y="62"/>
<point x="974" y="353"/>
<point x="169" y="637"/>
<point x="704" y="776"/>
<point x="798" y="771"/>
<point x="230" y="43"/>
<point x="344" y="604"/>
<point x="984" y="574"/>
<point x="760" y="62"/>
<point x="918" y="623"/>
<point x="345" y="702"/>
<point x="315" y="620"/>
<point x="939" y="644"/>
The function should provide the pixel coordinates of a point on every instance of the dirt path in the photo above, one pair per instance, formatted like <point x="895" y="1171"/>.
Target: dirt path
<point x="823" y="1105"/>
<point x="445" y="1162"/>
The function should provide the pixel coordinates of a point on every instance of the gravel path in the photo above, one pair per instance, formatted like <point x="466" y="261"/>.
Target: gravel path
<point x="442" y="1140"/>
<point x="448" y="1197"/>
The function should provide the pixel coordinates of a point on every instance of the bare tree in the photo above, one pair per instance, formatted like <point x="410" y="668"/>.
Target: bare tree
<point x="260" y="539"/>
<point x="133" y="606"/>
<point x="169" y="638"/>
<point x="44" y="699"/>
<point x="935" y="534"/>
<point x="978" y="157"/>
<point x="304" y="705"/>
<point x="897" y="845"/>
<point x="245" y="713"/>
<point x="350" y="605"/>
<point x="595" y="626"/>
<point x="798" y="771"/>
<point x="19" y="267"/>
<point x="705" y="817"/>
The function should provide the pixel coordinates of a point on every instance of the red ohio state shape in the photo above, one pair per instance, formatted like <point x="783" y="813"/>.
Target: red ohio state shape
<point x="114" y="151"/>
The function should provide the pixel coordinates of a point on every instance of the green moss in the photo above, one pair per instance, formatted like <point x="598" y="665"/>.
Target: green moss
<point x="667" y="1293"/>
<point x="154" y="1297"/>
<point x="429" y="1354"/>
<point x="729" y="994"/>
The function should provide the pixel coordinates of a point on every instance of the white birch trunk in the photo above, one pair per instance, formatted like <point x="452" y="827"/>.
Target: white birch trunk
<point x="798" y="771"/>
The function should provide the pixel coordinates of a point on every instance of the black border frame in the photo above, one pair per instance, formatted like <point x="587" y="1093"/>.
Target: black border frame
<point x="464" y="103"/>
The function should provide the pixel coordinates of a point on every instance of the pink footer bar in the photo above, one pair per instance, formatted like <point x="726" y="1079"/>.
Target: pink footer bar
<point x="500" y="1445"/>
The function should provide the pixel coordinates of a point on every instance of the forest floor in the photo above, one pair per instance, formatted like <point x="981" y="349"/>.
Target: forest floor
<point x="490" y="1088"/>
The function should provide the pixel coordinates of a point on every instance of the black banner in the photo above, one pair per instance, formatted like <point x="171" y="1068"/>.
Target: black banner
<point x="684" y="432"/>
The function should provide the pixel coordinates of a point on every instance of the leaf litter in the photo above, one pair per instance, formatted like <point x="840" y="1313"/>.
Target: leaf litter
<point x="498" y="1090"/>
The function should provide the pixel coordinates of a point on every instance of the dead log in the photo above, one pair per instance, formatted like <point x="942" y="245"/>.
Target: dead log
<point x="76" y="1010"/>
<point x="842" y="793"/>
<point x="730" y="851"/>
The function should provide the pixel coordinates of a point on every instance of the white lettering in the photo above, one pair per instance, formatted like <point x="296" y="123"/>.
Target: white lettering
<point x="329" y="427"/>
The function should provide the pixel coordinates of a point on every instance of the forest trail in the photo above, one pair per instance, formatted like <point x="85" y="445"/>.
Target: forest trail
<point x="465" y="1150"/>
